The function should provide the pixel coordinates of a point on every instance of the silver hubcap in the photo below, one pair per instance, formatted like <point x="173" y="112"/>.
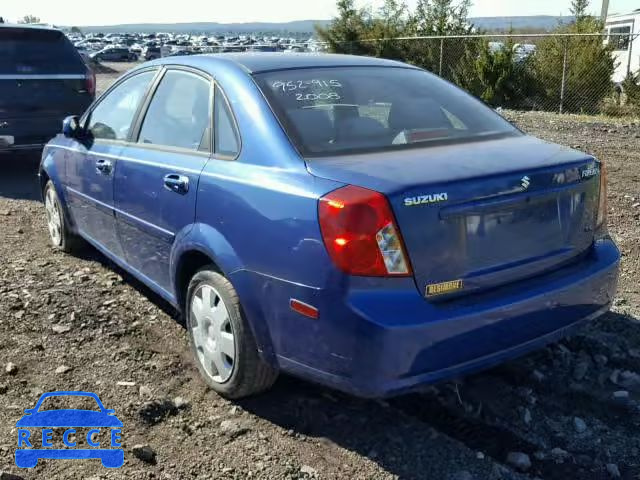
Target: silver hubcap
<point x="212" y="332"/>
<point x="54" y="219"/>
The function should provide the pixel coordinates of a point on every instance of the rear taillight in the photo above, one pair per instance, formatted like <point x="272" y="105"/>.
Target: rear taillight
<point x="601" y="220"/>
<point x="90" y="81"/>
<point x="360" y="233"/>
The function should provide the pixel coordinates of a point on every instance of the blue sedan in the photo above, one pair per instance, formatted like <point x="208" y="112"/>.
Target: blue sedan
<point x="357" y="222"/>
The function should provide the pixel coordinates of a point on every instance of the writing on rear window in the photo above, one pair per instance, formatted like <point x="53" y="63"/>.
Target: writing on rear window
<point x="292" y="85"/>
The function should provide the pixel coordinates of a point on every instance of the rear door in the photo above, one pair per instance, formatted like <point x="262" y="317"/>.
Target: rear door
<point x="157" y="178"/>
<point x="42" y="80"/>
<point x="90" y="170"/>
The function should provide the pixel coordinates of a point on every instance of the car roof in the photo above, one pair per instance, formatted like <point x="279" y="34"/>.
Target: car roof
<point x="256" y="62"/>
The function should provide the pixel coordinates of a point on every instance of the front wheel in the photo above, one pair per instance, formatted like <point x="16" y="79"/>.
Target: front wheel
<point x="221" y="339"/>
<point x="59" y="232"/>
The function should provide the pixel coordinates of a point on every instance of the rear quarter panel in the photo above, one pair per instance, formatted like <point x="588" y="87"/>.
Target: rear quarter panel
<point x="256" y="216"/>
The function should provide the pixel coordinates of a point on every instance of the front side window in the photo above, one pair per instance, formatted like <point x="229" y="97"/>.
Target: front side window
<point x="180" y="112"/>
<point x="111" y="119"/>
<point x="331" y="111"/>
<point x="226" y="137"/>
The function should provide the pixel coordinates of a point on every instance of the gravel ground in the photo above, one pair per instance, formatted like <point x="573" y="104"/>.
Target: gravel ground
<point x="556" y="414"/>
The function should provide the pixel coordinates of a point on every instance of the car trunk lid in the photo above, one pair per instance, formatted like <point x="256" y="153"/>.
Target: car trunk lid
<point x="478" y="215"/>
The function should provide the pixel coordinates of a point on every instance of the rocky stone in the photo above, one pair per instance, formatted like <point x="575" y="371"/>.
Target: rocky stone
<point x="580" y="370"/>
<point x="11" y="368"/>
<point x="309" y="471"/>
<point x="181" y="403"/>
<point x="559" y="452"/>
<point x="526" y="417"/>
<point x="60" y="328"/>
<point x="233" y="428"/>
<point x="613" y="470"/>
<point x="520" y="461"/>
<point x="621" y="395"/>
<point x="579" y="425"/>
<point x="629" y="380"/>
<point x="126" y="384"/>
<point x="145" y="391"/>
<point x="601" y="360"/>
<point x="538" y="376"/>
<point x="63" y="369"/>
<point x="9" y="476"/>
<point x="144" y="453"/>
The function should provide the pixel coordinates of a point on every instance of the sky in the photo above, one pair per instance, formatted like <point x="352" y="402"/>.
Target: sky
<point x="223" y="11"/>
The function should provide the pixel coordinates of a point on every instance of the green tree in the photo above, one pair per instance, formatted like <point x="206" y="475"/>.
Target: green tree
<point x="75" y="30"/>
<point x="390" y="23"/>
<point x="579" y="9"/>
<point x="441" y="18"/>
<point x="29" y="19"/>
<point x="497" y="74"/>
<point x="585" y="62"/>
<point x="346" y="32"/>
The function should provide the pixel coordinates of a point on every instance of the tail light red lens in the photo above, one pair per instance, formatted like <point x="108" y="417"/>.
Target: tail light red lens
<point x="90" y="81"/>
<point x="360" y="233"/>
<point x="601" y="220"/>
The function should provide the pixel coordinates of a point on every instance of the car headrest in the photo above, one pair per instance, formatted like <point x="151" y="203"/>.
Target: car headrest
<point x="313" y="125"/>
<point x="359" y="127"/>
<point x="417" y="114"/>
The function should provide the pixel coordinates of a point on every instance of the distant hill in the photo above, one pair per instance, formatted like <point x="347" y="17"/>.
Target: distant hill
<point x="537" y="22"/>
<point x="299" y="26"/>
<point x="540" y="23"/>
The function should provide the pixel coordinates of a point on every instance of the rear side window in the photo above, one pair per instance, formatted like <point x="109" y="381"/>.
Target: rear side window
<point x="226" y="137"/>
<point x="111" y="119"/>
<point x="180" y="112"/>
<point x="31" y="51"/>
<point x="330" y="111"/>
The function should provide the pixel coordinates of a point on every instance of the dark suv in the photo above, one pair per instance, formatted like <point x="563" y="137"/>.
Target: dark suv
<point x="42" y="80"/>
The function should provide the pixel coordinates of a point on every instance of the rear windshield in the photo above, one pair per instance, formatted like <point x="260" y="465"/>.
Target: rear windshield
<point x="330" y="111"/>
<point x="30" y="51"/>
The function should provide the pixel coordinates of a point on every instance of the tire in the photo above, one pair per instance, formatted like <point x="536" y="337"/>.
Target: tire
<point x="60" y="235"/>
<point x="217" y="328"/>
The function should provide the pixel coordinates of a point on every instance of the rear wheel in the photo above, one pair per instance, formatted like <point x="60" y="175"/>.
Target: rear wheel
<point x="59" y="233"/>
<point x="221" y="340"/>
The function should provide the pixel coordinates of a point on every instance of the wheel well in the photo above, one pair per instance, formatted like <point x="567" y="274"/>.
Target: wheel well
<point x="44" y="178"/>
<point x="189" y="264"/>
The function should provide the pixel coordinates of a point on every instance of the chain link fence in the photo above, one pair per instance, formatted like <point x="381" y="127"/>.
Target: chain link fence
<point x="564" y="73"/>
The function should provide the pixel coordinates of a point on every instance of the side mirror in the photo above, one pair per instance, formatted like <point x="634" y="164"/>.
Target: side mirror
<point x="29" y="411"/>
<point x="71" y="126"/>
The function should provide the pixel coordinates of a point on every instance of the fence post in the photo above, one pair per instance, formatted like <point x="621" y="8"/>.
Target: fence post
<point x="564" y="74"/>
<point x="441" y="55"/>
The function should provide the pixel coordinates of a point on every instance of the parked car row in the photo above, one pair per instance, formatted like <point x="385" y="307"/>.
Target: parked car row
<point x="131" y="47"/>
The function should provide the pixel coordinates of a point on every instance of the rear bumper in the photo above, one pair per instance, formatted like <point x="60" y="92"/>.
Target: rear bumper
<point x="375" y="342"/>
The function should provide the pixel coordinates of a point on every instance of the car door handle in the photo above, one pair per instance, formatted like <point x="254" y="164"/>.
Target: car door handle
<point x="104" y="166"/>
<point x="177" y="183"/>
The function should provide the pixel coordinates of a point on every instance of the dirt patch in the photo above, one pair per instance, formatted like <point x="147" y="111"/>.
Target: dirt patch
<point x="556" y="414"/>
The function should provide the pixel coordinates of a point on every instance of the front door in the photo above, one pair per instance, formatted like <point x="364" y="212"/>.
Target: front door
<point x="90" y="169"/>
<point x="157" y="178"/>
